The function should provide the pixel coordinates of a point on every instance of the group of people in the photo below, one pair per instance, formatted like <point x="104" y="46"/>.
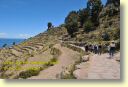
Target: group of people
<point x="98" y="48"/>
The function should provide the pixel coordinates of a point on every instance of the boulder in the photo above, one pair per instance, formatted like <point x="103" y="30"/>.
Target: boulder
<point x="85" y="58"/>
<point x="80" y="74"/>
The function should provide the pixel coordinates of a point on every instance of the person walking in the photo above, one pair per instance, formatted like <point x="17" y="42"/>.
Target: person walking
<point x="96" y="49"/>
<point x="93" y="50"/>
<point x="112" y="49"/>
<point x="90" y="48"/>
<point x="86" y="48"/>
<point x="99" y="49"/>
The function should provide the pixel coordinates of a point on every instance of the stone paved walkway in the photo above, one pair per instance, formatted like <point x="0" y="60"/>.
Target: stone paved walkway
<point x="102" y="67"/>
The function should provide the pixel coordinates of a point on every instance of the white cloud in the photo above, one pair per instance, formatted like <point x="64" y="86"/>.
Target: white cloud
<point x="2" y="35"/>
<point x="25" y="36"/>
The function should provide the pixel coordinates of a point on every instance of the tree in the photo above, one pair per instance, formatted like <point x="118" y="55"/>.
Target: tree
<point x="72" y="28"/>
<point x="88" y="26"/>
<point x="94" y="7"/>
<point x="83" y="15"/>
<point x="49" y="25"/>
<point x="71" y="23"/>
<point x="72" y="17"/>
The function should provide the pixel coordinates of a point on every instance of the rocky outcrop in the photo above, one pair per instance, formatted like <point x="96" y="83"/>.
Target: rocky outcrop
<point x="110" y="14"/>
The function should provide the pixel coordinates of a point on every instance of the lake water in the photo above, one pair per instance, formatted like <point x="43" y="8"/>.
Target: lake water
<point x="9" y="42"/>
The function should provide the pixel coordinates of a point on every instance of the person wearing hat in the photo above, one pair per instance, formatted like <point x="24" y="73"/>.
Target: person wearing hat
<point x="112" y="49"/>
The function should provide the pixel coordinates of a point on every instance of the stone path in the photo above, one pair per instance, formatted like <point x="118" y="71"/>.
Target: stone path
<point x="102" y="67"/>
<point x="99" y="67"/>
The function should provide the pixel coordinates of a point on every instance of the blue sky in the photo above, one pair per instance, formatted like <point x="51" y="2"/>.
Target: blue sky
<point x="26" y="18"/>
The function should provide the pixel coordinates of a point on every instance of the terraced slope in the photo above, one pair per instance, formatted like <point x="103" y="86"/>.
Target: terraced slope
<point x="36" y="48"/>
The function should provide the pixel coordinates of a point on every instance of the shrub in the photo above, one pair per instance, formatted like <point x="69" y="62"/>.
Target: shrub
<point x="51" y="62"/>
<point x="105" y="36"/>
<point x="55" y="52"/>
<point x="4" y="45"/>
<point x="29" y="73"/>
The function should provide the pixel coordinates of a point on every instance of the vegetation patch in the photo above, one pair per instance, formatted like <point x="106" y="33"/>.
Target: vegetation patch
<point x="55" y="52"/>
<point x="29" y="73"/>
